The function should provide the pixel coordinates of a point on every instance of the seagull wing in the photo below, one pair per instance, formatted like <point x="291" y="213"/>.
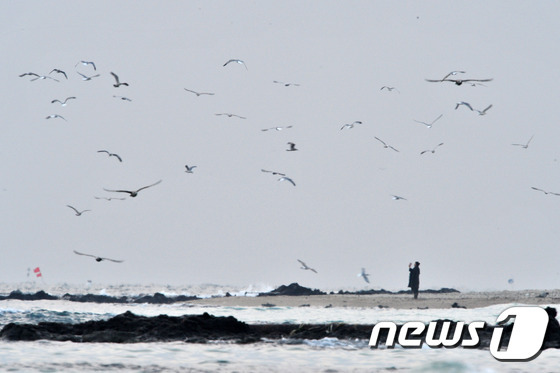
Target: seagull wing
<point x="76" y="252"/>
<point x="381" y="141"/>
<point x="151" y="185"/>
<point x="540" y="190"/>
<point x="112" y="260"/>
<point x="119" y="191"/>
<point x="485" y="110"/>
<point x="117" y="156"/>
<point x="77" y="212"/>
<point x="115" y="76"/>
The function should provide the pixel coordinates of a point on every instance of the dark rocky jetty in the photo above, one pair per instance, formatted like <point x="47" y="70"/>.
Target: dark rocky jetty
<point x="157" y="298"/>
<point x="294" y="289"/>
<point x="40" y="295"/>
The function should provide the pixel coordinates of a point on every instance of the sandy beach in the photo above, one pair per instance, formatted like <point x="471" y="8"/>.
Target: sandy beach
<point x="399" y="301"/>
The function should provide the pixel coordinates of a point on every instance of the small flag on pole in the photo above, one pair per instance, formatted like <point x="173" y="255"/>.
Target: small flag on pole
<point x="37" y="272"/>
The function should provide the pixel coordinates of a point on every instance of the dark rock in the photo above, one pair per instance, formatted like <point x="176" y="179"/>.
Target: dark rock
<point x="293" y="289"/>
<point x="456" y="305"/>
<point x="40" y="295"/>
<point x="159" y="298"/>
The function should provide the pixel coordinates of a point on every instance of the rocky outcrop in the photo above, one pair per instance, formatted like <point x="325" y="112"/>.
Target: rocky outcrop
<point x="294" y="289"/>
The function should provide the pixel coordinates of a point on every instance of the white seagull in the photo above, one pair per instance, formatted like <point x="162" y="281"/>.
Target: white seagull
<point x="189" y="169"/>
<point x="133" y="193"/>
<point x="118" y="83"/>
<point x="524" y="146"/>
<point x="63" y="103"/>
<point x="385" y="145"/>
<point x="432" y="150"/>
<point x="390" y="89"/>
<point x="350" y="125"/>
<point x="276" y="128"/>
<point x="396" y="198"/>
<point x="98" y="258"/>
<point x="199" y="93"/>
<point x="85" y="63"/>
<point x="545" y="192"/>
<point x="286" y="84"/>
<point x="429" y="125"/>
<point x="306" y="267"/>
<point x="285" y="178"/>
<point x="55" y="116"/>
<point x="231" y="115"/>
<point x="273" y="172"/>
<point x="364" y="275"/>
<point x="58" y="71"/>
<point x="463" y="103"/>
<point x="78" y="213"/>
<point x="111" y="154"/>
<point x="86" y="78"/>
<point x="241" y="62"/>
<point x="483" y="112"/>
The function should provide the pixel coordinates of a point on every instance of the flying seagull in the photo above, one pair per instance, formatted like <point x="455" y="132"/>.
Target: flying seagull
<point x="273" y="172"/>
<point x="118" y="83"/>
<point x="432" y="150"/>
<point x="364" y="275"/>
<point x="123" y="98"/>
<point x="111" y="154"/>
<point x="350" y="125"/>
<point x="545" y="192"/>
<point x="232" y="115"/>
<point x="98" y="258"/>
<point x="110" y="198"/>
<point x="132" y="193"/>
<point x="464" y="104"/>
<point x="63" y="103"/>
<point x="390" y="89"/>
<point x="189" y="169"/>
<point x="525" y="146"/>
<point x="85" y="63"/>
<point x="58" y="71"/>
<point x="483" y="112"/>
<point x="78" y="213"/>
<point x="305" y="267"/>
<point x="241" y="62"/>
<point x="26" y="74"/>
<point x="385" y="145"/>
<point x="429" y="125"/>
<point x="453" y="73"/>
<point x="396" y="198"/>
<point x="40" y="77"/>
<point x="285" y="178"/>
<point x="275" y="128"/>
<point x="55" y="116"/>
<point x="458" y="81"/>
<point x="292" y="147"/>
<point x="199" y="93"/>
<point x="286" y="84"/>
<point x="86" y="78"/>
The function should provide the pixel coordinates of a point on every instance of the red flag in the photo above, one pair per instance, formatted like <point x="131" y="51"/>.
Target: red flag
<point x="37" y="272"/>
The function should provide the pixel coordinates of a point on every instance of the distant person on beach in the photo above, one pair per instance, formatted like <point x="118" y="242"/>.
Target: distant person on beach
<point x="414" y="278"/>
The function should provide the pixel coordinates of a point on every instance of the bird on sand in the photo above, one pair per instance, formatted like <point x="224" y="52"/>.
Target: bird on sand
<point x="55" y="116"/>
<point x="198" y="93"/>
<point x="86" y="78"/>
<point x="241" y="62"/>
<point x="58" y="71"/>
<point x="545" y="192"/>
<point x="63" y="103"/>
<point x="85" y="63"/>
<point x="78" y="213"/>
<point x="306" y="267"/>
<point x="524" y="146"/>
<point x="273" y="172"/>
<point x="350" y="125"/>
<point x="292" y="147"/>
<point x="483" y="112"/>
<point x="133" y="193"/>
<point x="231" y="115"/>
<point x="429" y="125"/>
<point x="285" y="178"/>
<point x="385" y="145"/>
<point x="118" y="82"/>
<point x="98" y="258"/>
<point x="432" y="150"/>
<point x="364" y="275"/>
<point x="111" y="154"/>
<point x="189" y="169"/>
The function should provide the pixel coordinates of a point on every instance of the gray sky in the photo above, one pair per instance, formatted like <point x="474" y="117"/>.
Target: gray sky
<point x="471" y="217"/>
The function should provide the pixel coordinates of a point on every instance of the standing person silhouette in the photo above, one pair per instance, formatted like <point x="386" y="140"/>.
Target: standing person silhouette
<point x="414" y="278"/>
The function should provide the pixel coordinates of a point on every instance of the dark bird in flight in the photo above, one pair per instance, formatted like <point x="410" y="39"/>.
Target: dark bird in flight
<point x="463" y="103"/>
<point x="133" y="193"/>
<point x="390" y="89"/>
<point x="58" y="71"/>
<point x="55" y="116"/>
<point x="199" y="93"/>
<point x="273" y="172"/>
<point x="26" y="74"/>
<point x="350" y="125"/>
<point x="396" y="198"/>
<point x="292" y="147"/>
<point x="241" y="62"/>
<point x="429" y="125"/>
<point x="432" y="150"/>
<point x="189" y="169"/>
<point x="232" y="115"/>
<point x="545" y="192"/>
<point x="63" y="103"/>
<point x="524" y="146"/>
<point x="85" y="63"/>
<point x="458" y="81"/>
<point x="98" y="258"/>
<point x="86" y="78"/>
<point x="285" y="178"/>
<point x="386" y="146"/>
<point x="123" y="98"/>
<point x="305" y="266"/>
<point x="111" y="154"/>
<point x="118" y="83"/>
<point x="78" y="213"/>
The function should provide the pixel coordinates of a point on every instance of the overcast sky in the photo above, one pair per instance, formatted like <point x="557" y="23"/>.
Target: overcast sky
<point x="470" y="216"/>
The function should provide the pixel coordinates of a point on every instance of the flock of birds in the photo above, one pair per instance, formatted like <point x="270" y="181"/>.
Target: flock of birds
<point x="451" y="77"/>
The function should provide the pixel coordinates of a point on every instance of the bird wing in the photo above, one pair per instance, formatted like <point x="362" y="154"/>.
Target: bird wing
<point x="147" y="186"/>
<point x="112" y="260"/>
<point x="488" y="108"/>
<point x="77" y="212"/>
<point x="302" y="263"/>
<point x="381" y="141"/>
<point x="76" y="252"/>
<point x="116" y="155"/>
<point x="540" y="190"/>
<point x="115" y="76"/>
<point x="476" y="80"/>
<point x="434" y="80"/>
<point x="424" y="151"/>
<point x="311" y="269"/>
<point x="119" y="191"/>
<point x="104" y="151"/>
<point x="393" y="148"/>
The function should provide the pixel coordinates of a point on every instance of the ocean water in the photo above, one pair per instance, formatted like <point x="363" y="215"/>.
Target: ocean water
<point x="326" y="355"/>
